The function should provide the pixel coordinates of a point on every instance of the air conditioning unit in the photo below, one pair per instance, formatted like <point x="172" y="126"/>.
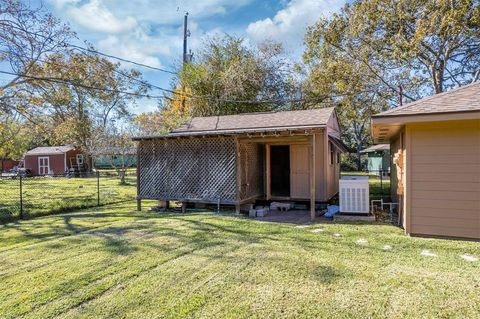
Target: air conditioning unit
<point x="354" y="194"/>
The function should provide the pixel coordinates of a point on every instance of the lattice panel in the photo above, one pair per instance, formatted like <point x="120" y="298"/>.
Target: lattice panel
<point x="251" y="170"/>
<point x="202" y="169"/>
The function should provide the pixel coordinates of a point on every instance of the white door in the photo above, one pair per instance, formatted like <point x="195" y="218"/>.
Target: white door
<point x="299" y="171"/>
<point x="43" y="165"/>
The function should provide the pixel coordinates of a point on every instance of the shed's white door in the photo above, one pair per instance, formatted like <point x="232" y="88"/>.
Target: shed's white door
<point x="43" y="165"/>
<point x="299" y="172"/>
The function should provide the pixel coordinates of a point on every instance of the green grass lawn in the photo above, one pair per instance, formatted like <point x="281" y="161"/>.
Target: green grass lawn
<point x="379" y="187"/>
<point x="47" y="195"/>
<point x="115" y="262"/>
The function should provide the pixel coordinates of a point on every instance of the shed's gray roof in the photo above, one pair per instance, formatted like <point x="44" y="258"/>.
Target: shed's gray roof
<point x="252" y="122"/>
<point x="463" y="99"/>
<point x="376" y="148"/>
<point x="50" y="150"/>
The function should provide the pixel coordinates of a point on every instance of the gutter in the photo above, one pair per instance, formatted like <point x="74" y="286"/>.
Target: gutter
<point x="227" y="132"/>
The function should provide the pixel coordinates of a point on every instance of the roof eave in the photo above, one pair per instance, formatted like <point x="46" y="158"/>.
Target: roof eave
<point x="227" y="132"/>
<point x="425" y="117"/>
<point x="390" y="115"/>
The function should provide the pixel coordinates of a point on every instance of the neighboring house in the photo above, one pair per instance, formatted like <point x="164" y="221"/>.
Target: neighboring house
<point x="237" y="159"/>
<point x="378" y="159"/>
<point x="55" y="160"/>
<point x="115" y="158"/>
<point x="6" y="165"/>
<point x="435" y="143"/>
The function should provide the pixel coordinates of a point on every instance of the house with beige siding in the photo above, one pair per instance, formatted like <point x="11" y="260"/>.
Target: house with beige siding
<point x="238" y="159"/>
<point x="435" y="149"/>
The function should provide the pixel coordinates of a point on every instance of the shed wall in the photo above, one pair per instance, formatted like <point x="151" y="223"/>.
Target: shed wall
<point x="189" y="169"/>
<point x="333" y="169"/>
<point x="444" y="179"/>
<point x="320" y="167"/>
<point x="57" y="163"/>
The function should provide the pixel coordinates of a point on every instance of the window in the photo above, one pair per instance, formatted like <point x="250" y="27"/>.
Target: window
<point x="79" y="159"/>
<point x="332" y="153"/>
<point x="338" y="157"/>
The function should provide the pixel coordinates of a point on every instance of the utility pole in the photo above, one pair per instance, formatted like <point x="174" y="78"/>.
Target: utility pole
<point x="186" y="56"/>
<point x="186" y="34"/>
<point x="400" y="95"/>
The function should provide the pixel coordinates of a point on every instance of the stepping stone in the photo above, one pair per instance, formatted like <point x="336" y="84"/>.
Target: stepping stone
<point x="362" y="241"/>
<point x="428" y="253"/>
<point x="387" y="247"/>
<point x="337" y="235"/>
<point x="318" y="230"/>
<point x="302" y="226"/>
<point x="469" y="258"/>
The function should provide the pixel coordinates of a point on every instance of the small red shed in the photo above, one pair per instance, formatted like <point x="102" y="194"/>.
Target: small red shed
<point x="55" y="160"/>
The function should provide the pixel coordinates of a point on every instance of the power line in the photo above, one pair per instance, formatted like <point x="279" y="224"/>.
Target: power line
<point x="75" y="83"/>
<point x="92" y="50"/>
<point x="150" y="85"/>
<point x="120" y="59"/>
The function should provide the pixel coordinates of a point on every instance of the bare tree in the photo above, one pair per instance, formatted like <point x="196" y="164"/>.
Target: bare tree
<point x="26" y="36"/>
<point x="114" y="144"/>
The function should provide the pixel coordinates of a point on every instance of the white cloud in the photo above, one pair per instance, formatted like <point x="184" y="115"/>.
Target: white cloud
<point x="289" y="24"/>
<point x="61" y="3"/>
<point x="169" y="12"/>
<point x="94" y="15"/>
<point x="131" y="49"/>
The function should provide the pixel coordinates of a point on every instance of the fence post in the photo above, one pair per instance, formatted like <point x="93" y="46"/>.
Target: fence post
<point x="98" y="188"/>
<point x="21" y="196"/>
<point x="381" y="182"/>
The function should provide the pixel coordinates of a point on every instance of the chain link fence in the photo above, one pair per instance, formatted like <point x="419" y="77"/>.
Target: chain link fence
<point x="30" y="196"/>
<point x="379" y="181"/>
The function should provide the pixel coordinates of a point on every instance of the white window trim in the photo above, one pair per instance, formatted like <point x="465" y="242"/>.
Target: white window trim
<point x="78" y="157"/>
<point x="47" y="166"/>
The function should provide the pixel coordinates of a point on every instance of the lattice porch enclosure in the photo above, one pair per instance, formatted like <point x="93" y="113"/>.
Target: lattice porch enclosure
<point x="188" y="169"/>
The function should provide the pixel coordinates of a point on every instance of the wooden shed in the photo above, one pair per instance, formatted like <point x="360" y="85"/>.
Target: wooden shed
<point x="435" y="145"/>
<point x="237" y="159"/>
<point x="55" y="160"/>
<point x="378" y="159"/>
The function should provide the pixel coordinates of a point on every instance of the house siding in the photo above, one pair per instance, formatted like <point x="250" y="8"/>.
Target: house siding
<point x="320" y="167"/>
<point x="444" y="178"/>
<point x="57" y="163"/>
<point x="332" y="169"/>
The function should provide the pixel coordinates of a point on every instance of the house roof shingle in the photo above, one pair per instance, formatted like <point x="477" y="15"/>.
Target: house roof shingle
<point x="252" y="122"/>
<point x="50" y="150"/>
<point x="463" y="99"/>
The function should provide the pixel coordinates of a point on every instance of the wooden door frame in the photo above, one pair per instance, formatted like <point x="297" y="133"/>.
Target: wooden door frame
<point x="268" y="166"/>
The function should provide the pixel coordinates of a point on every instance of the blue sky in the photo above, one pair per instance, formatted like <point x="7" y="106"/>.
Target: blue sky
<point x="150" y="31"/>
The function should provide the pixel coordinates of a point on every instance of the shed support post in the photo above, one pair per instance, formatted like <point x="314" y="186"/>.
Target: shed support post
<point x="139" y="200"/>
<point x="312" y="177"/>
<point x="267" y="155"/>
<point x="237" y="209"/>
<point x="184" y="207"/>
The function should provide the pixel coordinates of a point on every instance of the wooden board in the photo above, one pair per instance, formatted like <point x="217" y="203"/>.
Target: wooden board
<point x="299" y="171"/>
